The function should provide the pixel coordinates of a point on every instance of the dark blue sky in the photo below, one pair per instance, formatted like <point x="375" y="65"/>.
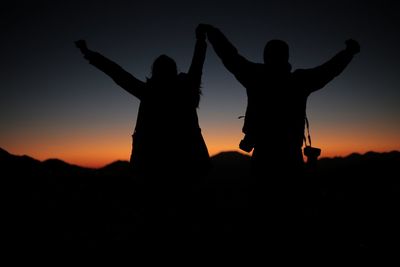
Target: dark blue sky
<point x="54" y="104"/>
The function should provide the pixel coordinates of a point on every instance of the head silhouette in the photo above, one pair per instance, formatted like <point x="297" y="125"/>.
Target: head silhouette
<point x="164" y="68"/>
<point x="276" y="53"/>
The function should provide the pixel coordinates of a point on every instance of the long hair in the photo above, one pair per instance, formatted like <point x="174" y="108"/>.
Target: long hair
<point x="164" y="71"/>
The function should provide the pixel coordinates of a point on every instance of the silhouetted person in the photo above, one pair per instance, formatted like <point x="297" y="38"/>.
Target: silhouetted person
<point x="168" y="149"/>
<point x="275" y="115"/>
<point x="167" y="136"/>
<point x="274" y="126"/>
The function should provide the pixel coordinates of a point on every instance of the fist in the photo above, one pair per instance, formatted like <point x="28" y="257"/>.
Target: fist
<point x="81" y="44"/>
<point x="352" y="46"/>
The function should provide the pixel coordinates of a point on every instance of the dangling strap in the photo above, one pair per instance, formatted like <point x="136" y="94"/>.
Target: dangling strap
<point x="308" y="132"/>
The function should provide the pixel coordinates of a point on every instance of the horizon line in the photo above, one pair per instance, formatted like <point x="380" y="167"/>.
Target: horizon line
<point x="211" y="156"/>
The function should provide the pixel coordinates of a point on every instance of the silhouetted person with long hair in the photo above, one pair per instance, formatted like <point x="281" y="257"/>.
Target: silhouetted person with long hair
<point x="167" y="136"/>
<point x="168" y="149"/>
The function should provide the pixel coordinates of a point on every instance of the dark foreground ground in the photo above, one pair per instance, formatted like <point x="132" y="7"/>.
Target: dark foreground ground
<point x="347" y="203"/>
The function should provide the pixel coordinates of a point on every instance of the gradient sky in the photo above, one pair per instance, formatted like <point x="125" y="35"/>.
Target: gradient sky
<point x="53" y="104"/>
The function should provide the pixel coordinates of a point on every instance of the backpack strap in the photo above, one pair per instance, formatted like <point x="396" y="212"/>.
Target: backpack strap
<point x="308" y="132"/>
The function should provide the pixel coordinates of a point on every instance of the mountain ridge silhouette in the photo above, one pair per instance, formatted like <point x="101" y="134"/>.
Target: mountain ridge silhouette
<point x="224" y="157"/>
<point x="59" y="202"/>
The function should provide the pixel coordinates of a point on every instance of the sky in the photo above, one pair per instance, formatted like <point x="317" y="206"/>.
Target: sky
<point x="53" y="104"/>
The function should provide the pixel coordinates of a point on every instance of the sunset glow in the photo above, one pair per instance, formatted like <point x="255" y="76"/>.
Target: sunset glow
<point x="104" y="149"/>
<point x="53" y="104"/>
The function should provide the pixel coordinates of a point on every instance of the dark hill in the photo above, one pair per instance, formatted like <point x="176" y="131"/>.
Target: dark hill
<point x="230" y="157"/>
<point x="19" y="166"/>
<point x="119" y="168"/>
<point x="61" y="168"/>
<point x="4" y="154"/>
<point x="230" y="165"/>
<point x="229" y="161"/>
<point x="347" y="198"/>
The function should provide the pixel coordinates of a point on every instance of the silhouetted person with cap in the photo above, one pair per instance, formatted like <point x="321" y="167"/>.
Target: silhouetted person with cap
<point x="274" y="128"/>
<point x="168" y="149"/>
<point x="277" y="97"/>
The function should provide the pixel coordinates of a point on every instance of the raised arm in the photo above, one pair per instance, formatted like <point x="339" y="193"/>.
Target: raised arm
<point x="228" y="53"/>
<point x="316" y="78"/>
<point x="118" y="74"/>
<point x="199" y="55"/>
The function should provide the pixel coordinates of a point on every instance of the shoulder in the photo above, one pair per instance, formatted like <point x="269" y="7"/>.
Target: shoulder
<point x="300" y="73"/>
<point x="253" y="67"/>
<point x="183" y="77"/>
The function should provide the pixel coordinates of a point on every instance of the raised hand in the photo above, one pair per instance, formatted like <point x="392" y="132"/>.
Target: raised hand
<point x="352" y="46"/>
<point x="81" y="44"/>
<point x="201" y="32"/>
